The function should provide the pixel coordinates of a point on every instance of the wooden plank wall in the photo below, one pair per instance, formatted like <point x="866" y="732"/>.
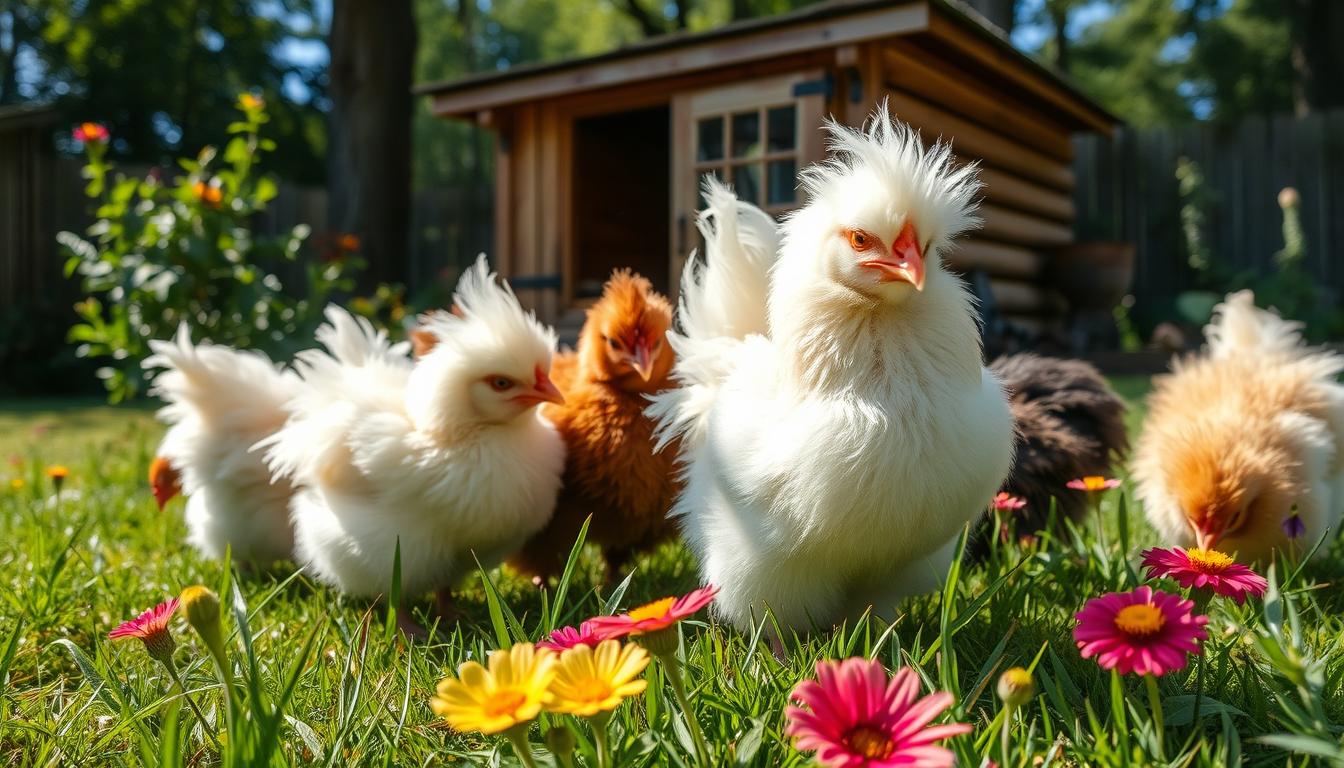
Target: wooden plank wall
<point x="1025" y="159"/>
<point x="1127" y="190"/>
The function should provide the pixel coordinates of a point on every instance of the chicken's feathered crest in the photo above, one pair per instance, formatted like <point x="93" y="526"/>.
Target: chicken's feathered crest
<point x="742" y="243"/>
<point x="488" y="317"/>
<point x="925" y="182"/>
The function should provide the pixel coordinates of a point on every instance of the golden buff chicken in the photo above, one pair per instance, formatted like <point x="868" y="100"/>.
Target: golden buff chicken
<point x="611" y="470"/>
<point x="1240" y="436"/>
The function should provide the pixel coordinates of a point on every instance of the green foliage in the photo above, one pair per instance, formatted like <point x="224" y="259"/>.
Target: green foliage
<point x="162" y="76"/>
<point x="168" y="251"/>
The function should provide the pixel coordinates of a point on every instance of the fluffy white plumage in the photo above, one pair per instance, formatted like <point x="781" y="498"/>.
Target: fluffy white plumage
<point x="426" y="453"/>
<point x="220" y="402"/>
<point x="832" y="461"/>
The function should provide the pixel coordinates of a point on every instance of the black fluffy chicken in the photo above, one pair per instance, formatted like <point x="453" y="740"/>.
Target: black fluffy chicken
<point x="1069" y="424"/>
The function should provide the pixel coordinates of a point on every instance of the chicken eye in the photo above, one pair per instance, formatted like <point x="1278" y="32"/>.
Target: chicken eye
<point x="613" y="343"/>
<point x="860" y="240"/>
<point x="501" y="383"/>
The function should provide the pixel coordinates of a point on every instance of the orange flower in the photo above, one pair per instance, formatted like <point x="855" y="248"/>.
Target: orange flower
<point x="91" y="132"/>
<point x="249" y="101"/>
<point x="348" y="243"/>
<point x="209" y="194"/>
<point x="658" y="615"/>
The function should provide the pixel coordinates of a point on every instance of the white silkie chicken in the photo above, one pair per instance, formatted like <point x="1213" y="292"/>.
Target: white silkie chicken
<point x="838" y="428"/>
<point x="448" y="456"/>
<point x="220" y="401"/>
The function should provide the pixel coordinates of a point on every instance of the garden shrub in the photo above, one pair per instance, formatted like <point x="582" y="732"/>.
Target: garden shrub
<point x="164" y="251"/>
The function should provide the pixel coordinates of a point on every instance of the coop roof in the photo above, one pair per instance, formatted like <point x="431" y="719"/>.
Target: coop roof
<point x="827" y="24"/>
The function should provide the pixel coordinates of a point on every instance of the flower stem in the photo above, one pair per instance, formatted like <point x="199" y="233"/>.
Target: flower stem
<point x="517" y="736"/>
<point x="669" y="662"/>
<point x="1003" y="736"/>
<point x="205" y="726"/>
<point x="1155" y="704"/>
<point x="1199" y="692"/>
<point x="599" y="723"/>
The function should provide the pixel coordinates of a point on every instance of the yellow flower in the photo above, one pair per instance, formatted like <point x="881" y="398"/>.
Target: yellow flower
<point x="592" y="680"/>
<point x="58" y="472"/>
<point x="511" y="692"/>
<point x="16" y="483"/>
<point x="250" y="101"/>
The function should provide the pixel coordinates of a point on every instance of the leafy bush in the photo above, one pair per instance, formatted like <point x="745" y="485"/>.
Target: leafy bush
<point x="166" y="251"/>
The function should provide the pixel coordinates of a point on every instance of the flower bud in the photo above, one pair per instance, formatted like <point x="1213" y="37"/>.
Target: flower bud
<point x="202" y="608"/>
<point x="1016" y="687"/>
<point x="1288" y="197"/>
<point x="560" y="740"/>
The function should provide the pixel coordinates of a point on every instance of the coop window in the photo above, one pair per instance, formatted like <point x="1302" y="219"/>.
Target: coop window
<point x="756" y="150"/>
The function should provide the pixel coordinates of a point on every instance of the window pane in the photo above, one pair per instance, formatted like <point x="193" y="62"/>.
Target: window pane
<point x="747" y="182"/>
<point x="747" y="134"/>
<point x="782" y="175"/>
<point x="783" y="128"/>
<point x="709" y="145"/>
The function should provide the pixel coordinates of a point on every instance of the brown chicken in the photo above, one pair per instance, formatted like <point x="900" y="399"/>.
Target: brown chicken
<point x="611" y="470"/>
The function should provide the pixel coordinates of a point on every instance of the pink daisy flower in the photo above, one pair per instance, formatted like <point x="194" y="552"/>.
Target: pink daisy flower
<point x="151" y="628"/>
<point x="1145" y="632"/>
<point x="1093" y="483"/>
<point x="854" y="716"/>
<point x="660" y="614"/>
<point x="1006" y="502"/>
<point x="1205" y="568"/>
<point x="568" y="637"/>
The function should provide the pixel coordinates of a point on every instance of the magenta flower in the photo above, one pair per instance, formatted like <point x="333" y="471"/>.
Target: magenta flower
<point x="567" y="637"/>
<point x="1145" y="632"/>
<point x="854" y="716"/>
<point x="1205" y="568"/>
<point x="1006" y="502"/>
<point x="1093" y="483"/>
<point x="660" y="614"/>
<point x="151" y="628"/>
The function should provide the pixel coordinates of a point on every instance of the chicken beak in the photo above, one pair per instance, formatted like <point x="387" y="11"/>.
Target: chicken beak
<point x="642" y="361"/>
<point x="1206" y="539"/>
<point x="906" y="263"/>
<point x="545" y="389"/>
<point x="163" y="495"/>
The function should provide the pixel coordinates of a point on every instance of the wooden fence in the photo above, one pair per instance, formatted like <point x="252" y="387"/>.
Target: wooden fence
<point x="1127" y="190"/>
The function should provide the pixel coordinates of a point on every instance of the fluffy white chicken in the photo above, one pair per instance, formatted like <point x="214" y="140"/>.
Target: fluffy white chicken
<point x="220" y="401"/>
<point x="1239" y="437"/>
<point x="834" y="453"/>
<point x="447" y="456"/>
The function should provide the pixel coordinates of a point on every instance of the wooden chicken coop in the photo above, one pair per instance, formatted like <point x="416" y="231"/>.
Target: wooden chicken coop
<point x="598" y="159"/>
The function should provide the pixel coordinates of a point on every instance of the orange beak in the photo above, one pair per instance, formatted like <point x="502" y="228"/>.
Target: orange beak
<point x="642" y="361"/>
<point x="543" y="391"/>
<point x="1206" y="539"/>
<point x="906" y="262"/>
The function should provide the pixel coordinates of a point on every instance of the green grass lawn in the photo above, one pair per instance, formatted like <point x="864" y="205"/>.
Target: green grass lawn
<point x="73" y="567"/>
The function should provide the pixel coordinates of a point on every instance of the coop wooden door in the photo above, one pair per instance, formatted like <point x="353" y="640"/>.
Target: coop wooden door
<point x="756" y="135"/>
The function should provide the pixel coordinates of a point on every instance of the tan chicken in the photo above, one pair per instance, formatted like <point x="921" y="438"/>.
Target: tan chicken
<point x="1243" y="436"/>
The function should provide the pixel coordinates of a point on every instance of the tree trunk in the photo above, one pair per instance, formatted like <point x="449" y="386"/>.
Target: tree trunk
<point x="1318" y="61"/>
<point x="372" y="44"/>
<point x="1059" y="18"/>
<point x="1000" y="12"/>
